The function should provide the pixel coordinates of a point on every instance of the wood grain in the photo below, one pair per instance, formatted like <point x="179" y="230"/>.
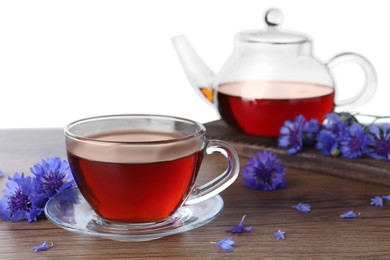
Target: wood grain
<point x="319" y="234"/>
<point x="363" y="169"/>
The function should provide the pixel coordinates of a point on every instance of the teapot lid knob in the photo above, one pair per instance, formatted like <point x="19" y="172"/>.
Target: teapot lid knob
<point x="272" y="33"/>
<point x="274" y="17"/>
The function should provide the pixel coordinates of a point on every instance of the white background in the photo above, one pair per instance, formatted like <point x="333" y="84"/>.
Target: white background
<point x="65" y="60"/>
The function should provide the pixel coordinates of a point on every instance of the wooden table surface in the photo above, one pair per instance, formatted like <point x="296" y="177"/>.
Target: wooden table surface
<point x="315" y="235"/>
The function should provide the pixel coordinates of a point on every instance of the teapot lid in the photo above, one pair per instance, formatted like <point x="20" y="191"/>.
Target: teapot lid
<point x="272" y="33"/>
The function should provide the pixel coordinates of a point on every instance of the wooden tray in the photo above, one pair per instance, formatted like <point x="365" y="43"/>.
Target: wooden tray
<point x="363" y="169"/>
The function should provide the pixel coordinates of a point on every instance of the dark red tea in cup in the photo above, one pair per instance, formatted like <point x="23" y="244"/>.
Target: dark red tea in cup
<point x="139" y="168"/>
<point x="142" y="191"/>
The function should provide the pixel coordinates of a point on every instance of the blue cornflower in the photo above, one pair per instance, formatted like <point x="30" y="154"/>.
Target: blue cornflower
<point x="328" y="143"/>
<point x="53" y="175"/>
<point x="380" y="144"/>
<point x="240" y="227"/>
<point x="279" y="235"/>
<point x="21" y="199"/>
<point x="291" y="135"/>
<point x="377" y="201"/>
<point x="310" y="131"/>
<point x="264" y="171"/>
<point x="336" y="124"/>
<point x="302" y="207"/>
<point x="225" y="244"/>
<point x="355" y="142"/>
<point x="25" y="197"/>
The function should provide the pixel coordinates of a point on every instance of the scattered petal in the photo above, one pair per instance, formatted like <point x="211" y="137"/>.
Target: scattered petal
<point x="377" y="201"/>
<point x="42" y="247"/>
<point x="387" y="197"/>
<point x="302" y="207"/>
<point x="279" y="235"/>
<point x="1" y="174"/>
<point x="240" y="227"/>
<point x="349" y="214"/>
<point x="225" y="244"/>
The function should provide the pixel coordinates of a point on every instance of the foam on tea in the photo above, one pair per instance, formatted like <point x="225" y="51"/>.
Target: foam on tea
<point x="127" y="179"/>
<point x="134" y="146"/>
<point x="136" y="136"/>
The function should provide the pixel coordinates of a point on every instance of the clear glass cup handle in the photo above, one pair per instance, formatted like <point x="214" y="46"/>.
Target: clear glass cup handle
<point x="222" y="181"/>
<point x="369" y="87"/>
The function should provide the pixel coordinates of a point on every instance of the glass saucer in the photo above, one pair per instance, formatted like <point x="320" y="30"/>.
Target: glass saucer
<point x="77" y="216"/>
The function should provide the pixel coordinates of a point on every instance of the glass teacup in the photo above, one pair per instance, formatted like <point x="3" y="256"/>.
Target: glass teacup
<point x="143" y="168"/>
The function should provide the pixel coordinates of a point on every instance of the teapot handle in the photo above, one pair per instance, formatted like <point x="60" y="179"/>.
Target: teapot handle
<point x="369" y="87"/>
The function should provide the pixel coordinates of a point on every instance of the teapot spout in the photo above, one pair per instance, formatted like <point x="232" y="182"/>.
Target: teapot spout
<point x="200" y="76"/>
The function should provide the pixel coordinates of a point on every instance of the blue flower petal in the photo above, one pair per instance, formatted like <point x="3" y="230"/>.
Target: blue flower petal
<point x="377" y="201"/>
<point x="240" y="228"/>
<point x="279" y="235"/>
<point x="349" y="214"/>
<point x="386" y="197"/>
<point x="302" y="207"/>
<point x="42" y="247"/>
<point x="226" y="244"/>
<point x="291" y="135"/>
<point x="327" y="142"/>
<point x="310" y="131"/>
<point x="4" y="212"/>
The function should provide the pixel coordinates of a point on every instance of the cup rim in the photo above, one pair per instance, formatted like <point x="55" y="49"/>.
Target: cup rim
<point x="201" y="129"/>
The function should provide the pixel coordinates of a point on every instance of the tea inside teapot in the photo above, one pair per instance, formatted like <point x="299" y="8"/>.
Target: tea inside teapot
<point x="266" y="104"/>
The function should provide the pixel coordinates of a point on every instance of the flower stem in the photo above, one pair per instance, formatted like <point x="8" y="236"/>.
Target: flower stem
<point x="376" y="118"/>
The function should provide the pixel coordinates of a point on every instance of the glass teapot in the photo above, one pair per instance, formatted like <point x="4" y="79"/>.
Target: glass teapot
<point x="270" y="77"/>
